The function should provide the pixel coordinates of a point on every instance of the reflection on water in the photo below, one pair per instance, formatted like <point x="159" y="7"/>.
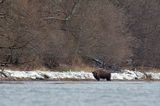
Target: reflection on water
<point x="82" y="93"/>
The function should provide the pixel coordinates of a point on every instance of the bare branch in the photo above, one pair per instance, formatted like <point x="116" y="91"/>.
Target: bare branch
<point x="2" y="1"/>
<point x="55" y="18"/>
<point x="74" y="8"/>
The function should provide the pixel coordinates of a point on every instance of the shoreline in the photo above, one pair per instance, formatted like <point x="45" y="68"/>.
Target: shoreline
<point x="125" y="75"/>
<point x="10" y="80"/>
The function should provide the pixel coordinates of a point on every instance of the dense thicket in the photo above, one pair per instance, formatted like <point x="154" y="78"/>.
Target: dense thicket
<point x="51" y="32"/>
<point x="143" y="22"/>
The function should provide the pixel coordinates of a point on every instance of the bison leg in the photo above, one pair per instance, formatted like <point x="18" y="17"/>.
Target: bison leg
<point x="108" y="79"/>
<point x="98" y="79"/>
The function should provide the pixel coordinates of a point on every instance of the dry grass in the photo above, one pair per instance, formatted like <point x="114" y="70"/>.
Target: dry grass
<point x="148" y="69"/>
<point x="26" y="67"/>
<point x="75" y="68"/>
<point x="144" y="69"/>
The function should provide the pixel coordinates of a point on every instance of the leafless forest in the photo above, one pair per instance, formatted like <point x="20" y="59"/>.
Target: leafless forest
<point x="48" y="33"/>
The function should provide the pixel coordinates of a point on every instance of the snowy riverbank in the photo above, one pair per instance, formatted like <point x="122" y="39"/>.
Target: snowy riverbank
<point x="125" y="75"/>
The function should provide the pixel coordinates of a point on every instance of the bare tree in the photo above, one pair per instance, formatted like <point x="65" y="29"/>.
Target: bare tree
<point x="142" y="19"/>
<point x="98" y="31"/>
<point x="49" y="32"/>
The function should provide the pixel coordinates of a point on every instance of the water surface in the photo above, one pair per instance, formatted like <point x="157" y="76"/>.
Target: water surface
<point x="79" y="93"/>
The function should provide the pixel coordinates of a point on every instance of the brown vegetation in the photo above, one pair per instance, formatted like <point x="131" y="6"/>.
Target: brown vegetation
<point x="48" y="33"/>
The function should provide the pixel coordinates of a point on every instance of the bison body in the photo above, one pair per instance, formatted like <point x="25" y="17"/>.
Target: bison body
<point x="102" y="74"/>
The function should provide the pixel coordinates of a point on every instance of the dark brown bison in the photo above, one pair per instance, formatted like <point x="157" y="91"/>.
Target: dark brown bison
<point x="102" y="74"/>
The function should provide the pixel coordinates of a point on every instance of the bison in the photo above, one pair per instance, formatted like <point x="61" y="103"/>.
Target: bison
<point x="102" y="74"/>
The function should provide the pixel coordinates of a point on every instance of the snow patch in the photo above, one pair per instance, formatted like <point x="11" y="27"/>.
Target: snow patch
<point x="153" y="76"/>
<point x="124" y="75"/>
<point x="127" y="75"/>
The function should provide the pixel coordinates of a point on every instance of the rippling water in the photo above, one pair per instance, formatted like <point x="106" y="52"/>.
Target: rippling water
<point x="114" y="93"/>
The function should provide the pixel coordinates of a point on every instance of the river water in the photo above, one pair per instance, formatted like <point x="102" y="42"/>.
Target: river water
<point x="80" y="93"/>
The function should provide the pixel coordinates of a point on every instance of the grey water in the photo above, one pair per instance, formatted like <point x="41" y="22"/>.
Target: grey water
<point x="79" y="93"/>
